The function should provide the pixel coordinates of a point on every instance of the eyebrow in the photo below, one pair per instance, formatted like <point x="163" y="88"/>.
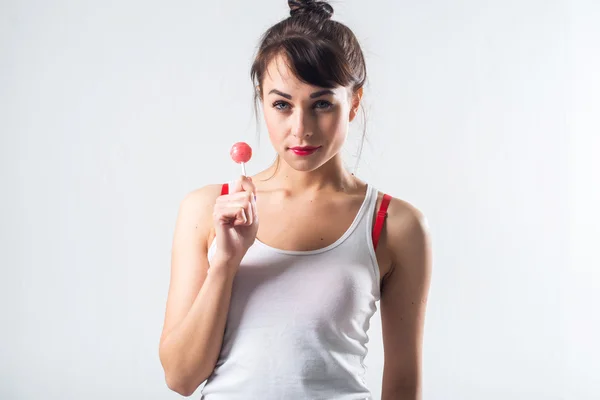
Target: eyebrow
<point x="312" y="96"/>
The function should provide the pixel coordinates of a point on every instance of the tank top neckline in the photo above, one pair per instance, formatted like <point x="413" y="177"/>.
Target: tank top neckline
<point x="340" y="240"/>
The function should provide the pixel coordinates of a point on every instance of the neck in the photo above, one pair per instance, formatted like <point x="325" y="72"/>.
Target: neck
<point x="330" y="176"/>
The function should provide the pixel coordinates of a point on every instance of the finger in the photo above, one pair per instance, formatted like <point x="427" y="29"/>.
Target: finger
<point x="250" y="211"/>
<point x="242" y="218"/>
<point x="246" y="216"/>
<point x="253" y="208"/>
<point x="246" y="209"/>
<point x="236" y="213"/>
<point x="227" y="214"/>
<point x="243" y="184"/>
<point x="235" y="197"/>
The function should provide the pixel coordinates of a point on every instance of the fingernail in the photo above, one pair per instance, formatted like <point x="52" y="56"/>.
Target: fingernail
<point x="254" y="197"/>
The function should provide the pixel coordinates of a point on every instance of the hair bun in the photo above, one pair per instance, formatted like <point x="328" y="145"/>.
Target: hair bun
<point x="310" y="7"/>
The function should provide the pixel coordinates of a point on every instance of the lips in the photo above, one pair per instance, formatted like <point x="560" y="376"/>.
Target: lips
<point x="304" y="150"/>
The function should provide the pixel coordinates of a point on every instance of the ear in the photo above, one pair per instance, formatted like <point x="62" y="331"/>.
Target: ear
<point x="356" y="98"/>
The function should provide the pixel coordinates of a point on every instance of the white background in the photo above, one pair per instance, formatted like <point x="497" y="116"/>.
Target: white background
<point x="484" y="114"/>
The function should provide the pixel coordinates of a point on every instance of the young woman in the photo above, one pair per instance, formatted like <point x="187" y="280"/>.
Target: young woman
<point x="275" y="277"/>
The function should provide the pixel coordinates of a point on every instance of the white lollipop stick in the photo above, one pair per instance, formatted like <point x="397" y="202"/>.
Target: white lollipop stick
<point x="243" y="169"/>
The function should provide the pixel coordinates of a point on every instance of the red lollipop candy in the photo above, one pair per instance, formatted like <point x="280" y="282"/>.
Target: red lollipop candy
<point x="241" y="153"/>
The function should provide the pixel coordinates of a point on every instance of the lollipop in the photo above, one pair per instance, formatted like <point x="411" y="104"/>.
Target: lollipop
<point x="241" y="153"/>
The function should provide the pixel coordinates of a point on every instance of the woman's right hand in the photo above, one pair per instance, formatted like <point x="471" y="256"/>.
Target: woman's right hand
<point x="236" y="221"/>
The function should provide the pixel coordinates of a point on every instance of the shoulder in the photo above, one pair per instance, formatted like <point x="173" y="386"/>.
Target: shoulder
<point x="197" y="202"/>
<point x="405" y="219"/>
<point x="202" y="196"/>
<point x="196" y="209"/>
<point x="406" y="229"/>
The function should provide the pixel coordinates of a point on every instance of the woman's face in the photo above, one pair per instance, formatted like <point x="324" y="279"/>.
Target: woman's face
<point x="307" y="124"/>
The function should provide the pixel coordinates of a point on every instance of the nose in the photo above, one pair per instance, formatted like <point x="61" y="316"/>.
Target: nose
<point x="301" y="124"/>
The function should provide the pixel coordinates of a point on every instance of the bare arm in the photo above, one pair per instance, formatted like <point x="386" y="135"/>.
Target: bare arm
<point x="198" y="300"/>
<point x="403" y="302"/>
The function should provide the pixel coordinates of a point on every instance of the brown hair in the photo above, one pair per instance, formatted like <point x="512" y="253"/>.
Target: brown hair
<point x="318" y="50"/>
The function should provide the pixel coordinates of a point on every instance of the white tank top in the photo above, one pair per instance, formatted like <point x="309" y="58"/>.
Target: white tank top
<point x="298" y="320"/>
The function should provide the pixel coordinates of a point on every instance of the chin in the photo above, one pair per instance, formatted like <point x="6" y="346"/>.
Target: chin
<point x="302" y="165"/>
<point x="305" y="167"/>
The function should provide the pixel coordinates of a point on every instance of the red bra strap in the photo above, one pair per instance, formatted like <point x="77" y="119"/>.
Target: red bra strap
<point x="381" y="215"/>
<point x="225" y="189"/>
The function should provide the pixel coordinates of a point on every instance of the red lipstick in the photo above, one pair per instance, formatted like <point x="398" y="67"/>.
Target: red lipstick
<point x="304" y="150"/>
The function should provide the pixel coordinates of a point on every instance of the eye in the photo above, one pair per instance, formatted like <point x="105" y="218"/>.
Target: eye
<point x="323" y="105"/>
<point x="281" y="105"/>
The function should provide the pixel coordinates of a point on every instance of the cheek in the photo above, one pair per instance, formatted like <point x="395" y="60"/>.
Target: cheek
<point x="271" y="118"/>
<point x="275" y="124"/>
<point x="334" y="124"/>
